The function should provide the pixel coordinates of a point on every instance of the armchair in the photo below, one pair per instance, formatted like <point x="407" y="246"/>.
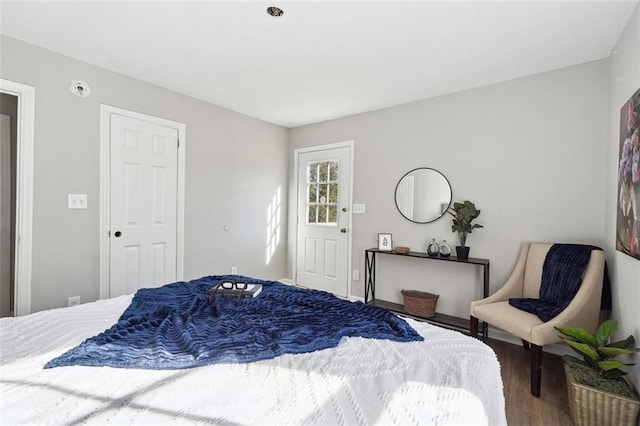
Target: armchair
<point x="525" y="281"/>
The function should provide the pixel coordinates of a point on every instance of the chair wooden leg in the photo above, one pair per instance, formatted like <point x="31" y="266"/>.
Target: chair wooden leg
<point x="525" y="344"/>
<point x="536" y="369"/>
<point x="473" y="326"/>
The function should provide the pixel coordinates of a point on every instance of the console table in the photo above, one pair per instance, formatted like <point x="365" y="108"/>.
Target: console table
<point x="448" y="321"/>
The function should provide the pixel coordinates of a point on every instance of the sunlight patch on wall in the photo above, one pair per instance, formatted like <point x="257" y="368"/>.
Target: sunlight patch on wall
<point x="273" y="225"/>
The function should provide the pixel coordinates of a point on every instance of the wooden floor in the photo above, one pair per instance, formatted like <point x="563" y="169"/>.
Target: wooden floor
<point x="522" y="408"/>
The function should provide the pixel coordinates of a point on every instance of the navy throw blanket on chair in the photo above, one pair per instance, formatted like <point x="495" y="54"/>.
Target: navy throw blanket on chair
<point x="178" y="326"/>
<point x="561" y="278"/>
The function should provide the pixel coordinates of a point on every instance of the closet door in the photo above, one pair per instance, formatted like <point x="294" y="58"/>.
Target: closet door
<point x="143" y="200"/>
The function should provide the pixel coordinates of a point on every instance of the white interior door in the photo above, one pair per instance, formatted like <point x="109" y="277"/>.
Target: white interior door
<point x="324" y="185"/>
<point x="143" y="204"/>
<point x="5" y="215"/>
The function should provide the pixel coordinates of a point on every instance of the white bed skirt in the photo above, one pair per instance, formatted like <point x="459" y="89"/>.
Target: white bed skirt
<point x="449" y="379"/>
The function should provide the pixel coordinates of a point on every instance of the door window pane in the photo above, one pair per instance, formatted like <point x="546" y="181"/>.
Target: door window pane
<point x="323" y="172"/>
<point x="313" y="193"/>
<point x="322" y="192"/>
<point x="333" y="214"/>
<point x="313" y="212"/>
<point x="313" y="173"/>
<point x="322" y="213"/>
<point x="333" y="172"/>
<point x="333" y="193"/>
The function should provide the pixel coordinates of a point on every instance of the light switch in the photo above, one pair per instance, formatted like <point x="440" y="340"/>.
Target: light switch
<point x="77" y="201"/>
<point x="359" y="209"/>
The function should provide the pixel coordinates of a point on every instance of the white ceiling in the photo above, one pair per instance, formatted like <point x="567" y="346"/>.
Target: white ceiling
<point x="322" y="59"/>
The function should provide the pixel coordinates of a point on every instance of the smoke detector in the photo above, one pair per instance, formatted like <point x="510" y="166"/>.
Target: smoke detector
<point x="274" y="11"/>
<point x="80" y="88"/>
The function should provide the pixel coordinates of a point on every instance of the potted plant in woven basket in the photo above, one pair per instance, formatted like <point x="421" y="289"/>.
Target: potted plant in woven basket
<point x="598" y="395"/>
<point x="463" y="214"/>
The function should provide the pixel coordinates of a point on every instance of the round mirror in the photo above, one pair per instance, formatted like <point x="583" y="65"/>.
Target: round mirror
<point x="423" y="195"/>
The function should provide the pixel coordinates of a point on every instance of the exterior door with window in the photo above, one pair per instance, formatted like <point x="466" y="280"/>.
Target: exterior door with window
<point x="322" y="257"/>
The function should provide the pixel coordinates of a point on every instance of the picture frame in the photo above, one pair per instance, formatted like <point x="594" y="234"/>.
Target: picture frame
<point x="385" y="242"/>
<point x="628" y="199"/>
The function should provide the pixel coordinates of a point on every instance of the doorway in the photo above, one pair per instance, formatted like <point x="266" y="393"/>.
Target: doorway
<point x="324" y="186"/>
<point x="18" y="102"/>
<point x="142" y="201"/>
<point x="8" y="144"/>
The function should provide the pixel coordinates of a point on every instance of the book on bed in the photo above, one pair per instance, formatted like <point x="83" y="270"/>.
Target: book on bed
<point x="232" y="289"/>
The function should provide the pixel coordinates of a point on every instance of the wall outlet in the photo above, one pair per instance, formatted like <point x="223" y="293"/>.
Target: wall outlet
<point x="73" y="301"/>
<point x="356" y="275"/>
<point x="234" y="269"/>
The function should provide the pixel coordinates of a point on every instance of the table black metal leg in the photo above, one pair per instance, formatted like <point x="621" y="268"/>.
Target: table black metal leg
<point x="370" y="276"/>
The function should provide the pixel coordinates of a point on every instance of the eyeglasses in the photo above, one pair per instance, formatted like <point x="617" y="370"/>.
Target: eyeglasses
<point x="228" y="285"/>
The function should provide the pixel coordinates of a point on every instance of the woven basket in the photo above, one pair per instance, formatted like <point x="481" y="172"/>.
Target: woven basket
<point x="402" y="250"/>
<point x="592" y="407"/>
<point x="420" y="303"/>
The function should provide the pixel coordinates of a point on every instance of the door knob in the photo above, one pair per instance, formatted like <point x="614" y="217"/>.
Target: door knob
<point x="117" y="233"/>
<point x="344" y="209"/>
<point x="343" y="230"/>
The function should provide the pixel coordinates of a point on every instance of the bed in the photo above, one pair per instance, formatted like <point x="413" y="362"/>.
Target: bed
<point x="446" y="379"/>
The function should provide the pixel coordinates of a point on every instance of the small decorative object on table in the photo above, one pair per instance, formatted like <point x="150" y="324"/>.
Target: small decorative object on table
<point x="420" y="303"/>
<point x="445" y="249"/>
<point x="385" y="242"/>
<point x="463" y="214"/>
<point x="402" y="249"/>
<point x="433" y="248"/>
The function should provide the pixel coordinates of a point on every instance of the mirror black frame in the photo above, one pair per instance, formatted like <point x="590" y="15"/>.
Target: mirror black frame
<point x="395" y="194"/>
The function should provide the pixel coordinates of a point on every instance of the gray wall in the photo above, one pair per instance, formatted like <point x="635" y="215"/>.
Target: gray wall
<point x="528" y="152"/>
<point x="234" y="166"/>
<point x="624" y="81"/>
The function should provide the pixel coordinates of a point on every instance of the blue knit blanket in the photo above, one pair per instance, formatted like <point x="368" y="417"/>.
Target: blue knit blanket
<point x="562" y="273"/>
<point x="178" y="326"/>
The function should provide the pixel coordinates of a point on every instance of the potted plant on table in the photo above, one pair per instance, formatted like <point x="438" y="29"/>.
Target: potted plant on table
<point x="598" y="395"/>
<point x="463" y="214"/>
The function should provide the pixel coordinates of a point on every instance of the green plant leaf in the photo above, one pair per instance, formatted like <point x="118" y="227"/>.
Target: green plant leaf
<point x="613" y="352"/>
<point x="570" y="359"/>
<point x="578" y="333"/>
<point x="611" y="374"/>
<point x="605" y="331"/>
<point x="584" y="349"/>
<point x="626" y="343"/>
<point x="463" y="214"/>
<point x="610" y="364"/>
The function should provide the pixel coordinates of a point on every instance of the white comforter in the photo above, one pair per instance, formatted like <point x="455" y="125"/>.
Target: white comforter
<point x="449" y="379"/>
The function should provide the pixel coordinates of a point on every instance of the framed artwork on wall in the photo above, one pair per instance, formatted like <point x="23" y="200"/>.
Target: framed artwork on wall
<point x="628" y="209"/>
<point x="385" y="242"/>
